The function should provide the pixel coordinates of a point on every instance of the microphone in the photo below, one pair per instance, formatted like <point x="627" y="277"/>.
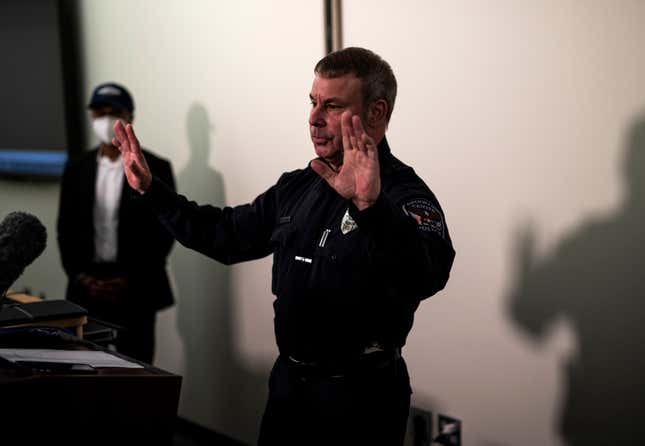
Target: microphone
<point x="22" y="239"/>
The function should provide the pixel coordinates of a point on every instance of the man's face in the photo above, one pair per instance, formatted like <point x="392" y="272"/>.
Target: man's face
<point x="330" y="97"/>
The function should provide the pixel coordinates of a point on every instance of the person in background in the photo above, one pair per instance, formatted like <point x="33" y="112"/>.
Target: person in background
<point x="113" y="250"/>
<point x="358" y="241"/>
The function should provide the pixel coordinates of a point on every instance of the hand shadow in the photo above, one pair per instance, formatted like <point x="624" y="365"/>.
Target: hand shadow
<point x="593" y="280"/>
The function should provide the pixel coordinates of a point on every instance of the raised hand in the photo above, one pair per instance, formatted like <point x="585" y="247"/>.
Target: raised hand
<point x="358" y="178"/>
<point x="135" y="166"/>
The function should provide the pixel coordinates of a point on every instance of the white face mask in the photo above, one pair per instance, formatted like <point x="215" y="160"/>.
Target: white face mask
<point x="103" y="128"/>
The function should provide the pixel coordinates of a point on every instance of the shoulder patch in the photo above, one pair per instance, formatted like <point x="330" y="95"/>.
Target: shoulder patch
<point x="426" y="215"/>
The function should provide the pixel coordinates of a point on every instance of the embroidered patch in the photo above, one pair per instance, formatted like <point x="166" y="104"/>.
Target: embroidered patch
<point x="347" y="224"/>
<point x="426" y="215"/>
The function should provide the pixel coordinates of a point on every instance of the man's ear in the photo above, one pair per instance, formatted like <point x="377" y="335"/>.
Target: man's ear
<point x="376" y="113"/>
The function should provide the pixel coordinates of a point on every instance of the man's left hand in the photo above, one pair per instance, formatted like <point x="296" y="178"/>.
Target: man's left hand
<point x="358" y="178"/>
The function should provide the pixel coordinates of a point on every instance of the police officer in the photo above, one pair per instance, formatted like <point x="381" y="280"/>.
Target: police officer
<point x="358" y="240"/>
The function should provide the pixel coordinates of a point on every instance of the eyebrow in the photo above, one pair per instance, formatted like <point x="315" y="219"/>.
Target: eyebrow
<point x="328" y="100"/>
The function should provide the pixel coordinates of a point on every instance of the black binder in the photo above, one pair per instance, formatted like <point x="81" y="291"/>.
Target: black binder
<point x="50" y="310"/>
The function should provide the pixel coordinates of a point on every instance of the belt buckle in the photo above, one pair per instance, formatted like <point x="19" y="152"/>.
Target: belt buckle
<point x="299" y="363"/>
<point x="313" y="368"/>
<point x="373" y="347"/>
<point x="376" y="357"/>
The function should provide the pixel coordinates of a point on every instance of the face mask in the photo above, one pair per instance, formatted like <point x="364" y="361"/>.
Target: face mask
<point x="103" y="128"/>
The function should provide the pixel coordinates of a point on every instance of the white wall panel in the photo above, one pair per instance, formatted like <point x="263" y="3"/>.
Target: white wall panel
<point x="517" y="115"/>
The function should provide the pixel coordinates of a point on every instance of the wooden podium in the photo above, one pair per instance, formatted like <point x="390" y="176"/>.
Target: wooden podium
<point x="118" y="406"/>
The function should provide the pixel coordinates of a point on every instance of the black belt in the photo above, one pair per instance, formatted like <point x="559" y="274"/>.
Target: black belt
<point x="372" y="359"/>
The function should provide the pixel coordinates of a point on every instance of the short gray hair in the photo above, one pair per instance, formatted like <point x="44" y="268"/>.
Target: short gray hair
<point x="375" y="73"/>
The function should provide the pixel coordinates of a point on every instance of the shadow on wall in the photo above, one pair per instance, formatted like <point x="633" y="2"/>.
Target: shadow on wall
<point x="217" y="392"/>
<point x="594" y="280"/>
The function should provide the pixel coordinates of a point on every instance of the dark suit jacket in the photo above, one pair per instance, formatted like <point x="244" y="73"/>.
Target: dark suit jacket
<point x="143" y="243"/>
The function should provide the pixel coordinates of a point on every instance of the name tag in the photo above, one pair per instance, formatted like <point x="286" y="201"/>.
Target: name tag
<point x="303" y="259"/>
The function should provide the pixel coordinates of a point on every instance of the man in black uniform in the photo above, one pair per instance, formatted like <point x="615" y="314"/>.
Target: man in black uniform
<point x="358" y="241"/>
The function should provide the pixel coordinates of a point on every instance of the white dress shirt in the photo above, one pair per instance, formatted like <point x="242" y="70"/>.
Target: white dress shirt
<point x="109" y="182"/>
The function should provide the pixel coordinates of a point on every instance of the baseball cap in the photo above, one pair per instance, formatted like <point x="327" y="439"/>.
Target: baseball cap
<point x="112" y="94"/>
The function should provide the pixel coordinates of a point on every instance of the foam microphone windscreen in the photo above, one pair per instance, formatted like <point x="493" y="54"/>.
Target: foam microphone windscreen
<point x="22" y="239"/>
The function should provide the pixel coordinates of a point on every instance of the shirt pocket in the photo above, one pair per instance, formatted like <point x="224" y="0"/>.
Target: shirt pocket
<point x="340" y="262"/>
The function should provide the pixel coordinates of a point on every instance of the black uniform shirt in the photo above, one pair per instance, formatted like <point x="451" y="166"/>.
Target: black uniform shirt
<point x="343" y="278"/>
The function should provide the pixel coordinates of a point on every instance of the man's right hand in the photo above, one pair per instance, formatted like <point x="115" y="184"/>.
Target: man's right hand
<point x="135" y="166"/>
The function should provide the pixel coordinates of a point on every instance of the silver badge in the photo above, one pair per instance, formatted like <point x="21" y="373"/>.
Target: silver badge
<point x="348" y="224"/>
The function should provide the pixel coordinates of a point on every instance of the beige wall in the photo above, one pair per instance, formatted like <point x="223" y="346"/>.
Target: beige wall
<point x="515" y="112"/>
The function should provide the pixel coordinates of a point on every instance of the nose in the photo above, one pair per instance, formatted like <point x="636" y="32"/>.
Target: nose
<point x="316" y="116"/>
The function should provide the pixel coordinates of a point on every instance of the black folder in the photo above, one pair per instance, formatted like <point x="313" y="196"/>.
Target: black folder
<point x="39" y="312"/>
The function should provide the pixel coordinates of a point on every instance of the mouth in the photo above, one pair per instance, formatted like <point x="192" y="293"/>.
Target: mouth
<point x="319" y="141"/>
